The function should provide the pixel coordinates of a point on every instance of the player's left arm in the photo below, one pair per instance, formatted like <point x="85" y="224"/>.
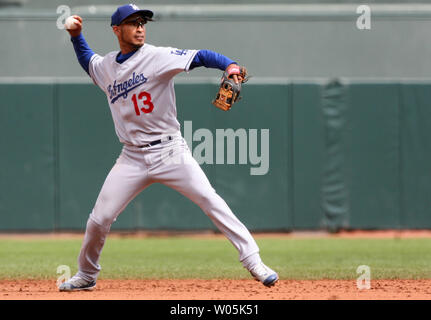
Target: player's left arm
<point x="211" y="59"/>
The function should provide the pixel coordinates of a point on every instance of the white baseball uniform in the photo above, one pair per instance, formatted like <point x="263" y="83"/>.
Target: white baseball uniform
<point x="141" y="97"/>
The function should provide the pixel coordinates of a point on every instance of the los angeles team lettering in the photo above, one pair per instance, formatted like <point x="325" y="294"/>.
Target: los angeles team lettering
<point x="123" y="88"/>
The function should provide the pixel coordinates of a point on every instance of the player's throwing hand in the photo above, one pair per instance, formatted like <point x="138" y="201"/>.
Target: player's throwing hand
<point x="73" y="25"/>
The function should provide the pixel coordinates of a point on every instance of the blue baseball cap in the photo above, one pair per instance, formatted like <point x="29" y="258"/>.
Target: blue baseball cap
<point x="127" y="10"/>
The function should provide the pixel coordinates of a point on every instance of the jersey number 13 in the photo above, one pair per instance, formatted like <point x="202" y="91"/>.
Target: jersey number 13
<point x="145" y="98"/>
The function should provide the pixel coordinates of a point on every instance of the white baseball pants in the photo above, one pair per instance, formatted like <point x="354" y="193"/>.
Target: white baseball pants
<point x="172" y="164"/>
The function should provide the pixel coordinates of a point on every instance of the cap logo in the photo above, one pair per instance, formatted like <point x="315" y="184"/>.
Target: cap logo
<point x="134" y="6"/>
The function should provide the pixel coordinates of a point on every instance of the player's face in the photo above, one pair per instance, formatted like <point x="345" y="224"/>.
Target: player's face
<point x="131" y="32"/>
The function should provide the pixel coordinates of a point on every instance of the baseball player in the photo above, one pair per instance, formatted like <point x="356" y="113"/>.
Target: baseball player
<point x="138" y="83"/>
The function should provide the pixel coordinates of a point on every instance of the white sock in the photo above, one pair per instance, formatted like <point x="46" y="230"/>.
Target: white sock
<point x="251" y="261"/>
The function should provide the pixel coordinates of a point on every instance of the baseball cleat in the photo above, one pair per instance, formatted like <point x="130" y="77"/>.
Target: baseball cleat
<point x="264" y="274"/>
<point x="76" y="283"/>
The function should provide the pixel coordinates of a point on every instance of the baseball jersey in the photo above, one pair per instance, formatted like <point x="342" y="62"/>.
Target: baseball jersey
<point x="140" y="91"/>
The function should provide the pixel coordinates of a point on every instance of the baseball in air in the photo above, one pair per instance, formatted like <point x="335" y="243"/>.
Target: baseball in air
<point x="71" y="23"/>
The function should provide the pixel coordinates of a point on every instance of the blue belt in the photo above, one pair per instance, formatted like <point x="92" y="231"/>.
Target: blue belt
<point x="153" y="143"/>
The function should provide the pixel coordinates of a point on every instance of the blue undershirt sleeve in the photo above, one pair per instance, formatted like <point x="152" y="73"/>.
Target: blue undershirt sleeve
<point x="210" y="59"/>
<point x="83" y="51"/>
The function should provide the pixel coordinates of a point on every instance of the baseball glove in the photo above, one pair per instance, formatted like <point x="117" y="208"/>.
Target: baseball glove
<point x="229" y="90"/>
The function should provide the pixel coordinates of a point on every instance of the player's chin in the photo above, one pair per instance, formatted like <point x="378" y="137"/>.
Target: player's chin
<point x="139" y="41"/>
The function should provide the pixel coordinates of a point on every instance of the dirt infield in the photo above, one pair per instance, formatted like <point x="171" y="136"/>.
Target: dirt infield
<point x="220" y="290"/>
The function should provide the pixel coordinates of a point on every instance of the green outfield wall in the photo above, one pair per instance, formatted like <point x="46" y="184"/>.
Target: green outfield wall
<point x="308" y="154"/>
